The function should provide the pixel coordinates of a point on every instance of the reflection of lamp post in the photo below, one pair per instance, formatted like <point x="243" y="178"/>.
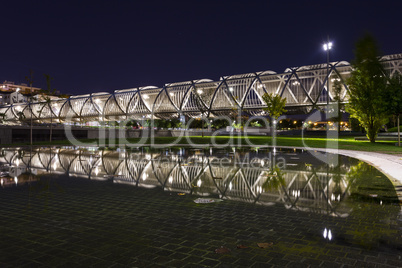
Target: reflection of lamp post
<point x="327" y="47"/>
<point x="202" y="124"/>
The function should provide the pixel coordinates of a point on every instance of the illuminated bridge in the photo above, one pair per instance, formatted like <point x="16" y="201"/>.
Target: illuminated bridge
<point x="304" y="88"/>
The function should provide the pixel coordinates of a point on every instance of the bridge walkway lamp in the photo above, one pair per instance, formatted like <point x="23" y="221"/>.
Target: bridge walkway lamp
<point x="327" y="47"/>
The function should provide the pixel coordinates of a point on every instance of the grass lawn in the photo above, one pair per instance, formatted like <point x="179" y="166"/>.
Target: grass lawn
<point x="315" y="142"/>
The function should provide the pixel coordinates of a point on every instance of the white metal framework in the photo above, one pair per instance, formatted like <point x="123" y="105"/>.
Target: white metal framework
<point x="303" y="87"/>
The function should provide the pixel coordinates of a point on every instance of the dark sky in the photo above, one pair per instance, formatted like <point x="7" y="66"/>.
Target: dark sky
<point x="93" y="46"/>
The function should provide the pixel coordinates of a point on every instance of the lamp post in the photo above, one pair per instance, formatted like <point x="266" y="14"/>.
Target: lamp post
<point x="327" y="47"/>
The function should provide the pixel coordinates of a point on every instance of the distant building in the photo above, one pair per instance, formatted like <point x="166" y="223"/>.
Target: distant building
<point x="11" y="93"/>
<point x="8" y="86"/>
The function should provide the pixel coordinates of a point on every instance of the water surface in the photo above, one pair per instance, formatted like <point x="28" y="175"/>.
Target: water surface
<point x="84" y="204"/>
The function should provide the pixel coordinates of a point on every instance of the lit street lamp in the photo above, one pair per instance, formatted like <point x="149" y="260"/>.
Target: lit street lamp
<point x="327" y="47"/>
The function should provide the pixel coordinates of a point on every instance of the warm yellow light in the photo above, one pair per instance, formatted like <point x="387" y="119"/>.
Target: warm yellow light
<point x="309" y="122"/>
<point x="294" y="122"/>
<point x="315" y="124"/>
<point x="280" y="121"/>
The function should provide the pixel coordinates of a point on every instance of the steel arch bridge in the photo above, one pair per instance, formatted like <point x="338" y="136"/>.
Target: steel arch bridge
<point x="304" y="188"/>
<point x="303" y="87"/>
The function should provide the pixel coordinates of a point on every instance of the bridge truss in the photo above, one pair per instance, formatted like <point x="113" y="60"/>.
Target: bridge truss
<point x="304" y="88"/>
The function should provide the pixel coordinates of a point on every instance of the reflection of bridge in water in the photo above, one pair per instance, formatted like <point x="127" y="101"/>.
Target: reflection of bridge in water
<point x="304" y="88"/>
<point x="316" y="188"/>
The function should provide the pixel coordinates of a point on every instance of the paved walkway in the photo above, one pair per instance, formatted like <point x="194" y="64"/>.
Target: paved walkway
<point x="390" y="165"/>
<point x="65" y="221"/>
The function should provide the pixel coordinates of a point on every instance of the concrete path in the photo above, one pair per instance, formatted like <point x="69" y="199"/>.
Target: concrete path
<point x="390" y="165"/>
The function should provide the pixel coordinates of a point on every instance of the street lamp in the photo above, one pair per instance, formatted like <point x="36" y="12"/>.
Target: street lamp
<point x="327" y="47"/>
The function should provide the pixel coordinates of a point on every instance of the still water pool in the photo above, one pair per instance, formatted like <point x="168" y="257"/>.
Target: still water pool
<point x="257" y="207"/>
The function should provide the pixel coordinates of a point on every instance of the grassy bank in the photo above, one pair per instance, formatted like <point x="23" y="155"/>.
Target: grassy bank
<point x="315" y="142"/>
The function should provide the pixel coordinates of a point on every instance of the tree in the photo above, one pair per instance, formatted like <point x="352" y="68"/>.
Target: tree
<point x="393" y="96"/>
<point x="21" y="116"/>
<point x="46" y="95"/>
<point x="275" y="105"/>
<point x="367" y="84"/>
<point x="30" y="81"/>
<point x="2" y="118"/>
<point x="202" y="107"/>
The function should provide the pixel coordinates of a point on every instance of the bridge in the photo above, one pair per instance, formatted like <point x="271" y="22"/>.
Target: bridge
<point x="304" y="88"/>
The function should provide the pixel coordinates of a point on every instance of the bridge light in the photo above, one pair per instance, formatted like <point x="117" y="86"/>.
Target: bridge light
<point x="231" y="89"/>
<point x="145" y="97"/>
<point x="199" y="91"/>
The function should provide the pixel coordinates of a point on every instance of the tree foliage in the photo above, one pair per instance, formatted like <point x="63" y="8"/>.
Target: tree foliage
<point x="393" y="95"/>
<point x="367" y="85"/>
<point x="2" y="118"/>
<point x="46" y="95"/>
<point x="275" y="104"/>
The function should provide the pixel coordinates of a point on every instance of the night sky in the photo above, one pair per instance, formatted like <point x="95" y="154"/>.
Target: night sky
<point x="94" y="46"/>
